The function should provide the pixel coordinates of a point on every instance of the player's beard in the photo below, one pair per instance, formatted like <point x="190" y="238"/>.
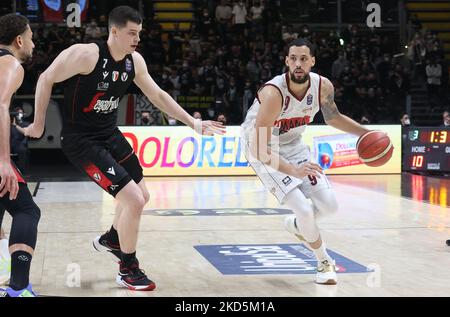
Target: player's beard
<point x="26" y="58"/>
<point x="301" y="80"/>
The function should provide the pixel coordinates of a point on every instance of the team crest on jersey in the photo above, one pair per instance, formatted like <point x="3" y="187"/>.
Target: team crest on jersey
<point x="124" y="77"/>
<point x="309" y="100"/>
<point x="128" y="65"/>
<point x="115" y="75"/>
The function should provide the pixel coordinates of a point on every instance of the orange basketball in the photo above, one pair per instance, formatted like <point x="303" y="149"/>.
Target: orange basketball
<point x="374" y="148"/>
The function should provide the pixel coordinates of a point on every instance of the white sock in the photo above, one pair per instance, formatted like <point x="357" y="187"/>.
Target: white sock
<point x="322" y="254"/>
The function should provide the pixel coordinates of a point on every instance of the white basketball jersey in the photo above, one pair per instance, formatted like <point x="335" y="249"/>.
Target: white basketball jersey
<point x="296" y="111"/>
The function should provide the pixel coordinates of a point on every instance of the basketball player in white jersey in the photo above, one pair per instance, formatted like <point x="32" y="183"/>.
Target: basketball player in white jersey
<point x="272" y="134"/>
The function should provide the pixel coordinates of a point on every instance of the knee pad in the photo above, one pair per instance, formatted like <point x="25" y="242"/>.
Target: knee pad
<point x="301" y="206"/>
<point x="24" y="226"/>
<point x="325" y="202"/>
<point x="133" y="168"/>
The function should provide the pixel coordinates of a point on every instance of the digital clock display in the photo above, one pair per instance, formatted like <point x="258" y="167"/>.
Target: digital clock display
<point x="435" y="136"/>
<point x="426" y="149"/>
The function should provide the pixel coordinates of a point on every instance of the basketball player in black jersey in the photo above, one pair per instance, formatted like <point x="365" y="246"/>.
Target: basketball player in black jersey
<point x="16" y="47"/>
<point x="96" y="77"/>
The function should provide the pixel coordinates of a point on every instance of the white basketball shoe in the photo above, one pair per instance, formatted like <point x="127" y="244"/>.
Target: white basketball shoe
<point x="326" y="273"/>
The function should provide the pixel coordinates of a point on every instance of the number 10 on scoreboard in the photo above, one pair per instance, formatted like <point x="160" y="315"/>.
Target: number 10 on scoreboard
<point x="417" y="161"/>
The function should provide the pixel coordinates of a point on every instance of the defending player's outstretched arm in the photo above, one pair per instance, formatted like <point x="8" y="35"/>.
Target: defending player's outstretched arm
<point x="331" y="113"/>
<point x="77" y="59"/>
<point x="165" y="102"/>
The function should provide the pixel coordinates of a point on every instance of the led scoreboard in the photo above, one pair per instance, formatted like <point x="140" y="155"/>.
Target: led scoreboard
<point x="426" y="149"/>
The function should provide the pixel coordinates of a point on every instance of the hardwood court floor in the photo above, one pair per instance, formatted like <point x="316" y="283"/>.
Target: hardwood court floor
<point x="394" y="225"/>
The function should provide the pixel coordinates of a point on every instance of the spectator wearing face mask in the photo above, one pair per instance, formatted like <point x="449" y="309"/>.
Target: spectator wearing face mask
<point x="446" y="119"/>
<point x="404" y="120"/>
<point x="197" y="115"/>
<point x="172" y="121"/>
<point x="364" y="119"/>
<point x="146" y="118"/>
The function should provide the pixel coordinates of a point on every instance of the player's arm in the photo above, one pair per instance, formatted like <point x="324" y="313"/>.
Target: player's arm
<point x="331" y="113"/>
<point x="77" y="59"/>
<point x="19" y="128"/>
<point x="10" y="81"/>
<point x="165" y="102"/>
<point x="271" y="104"/>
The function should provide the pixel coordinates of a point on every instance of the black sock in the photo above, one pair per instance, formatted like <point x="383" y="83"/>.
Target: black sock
<point x="128" y="259"/>
<point x="20" y="270"/>
<point x="112" y="236"/>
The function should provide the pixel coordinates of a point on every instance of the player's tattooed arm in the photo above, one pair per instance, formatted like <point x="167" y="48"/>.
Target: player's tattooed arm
<point x="331" y="113"/>
<point x="328" y="106"/>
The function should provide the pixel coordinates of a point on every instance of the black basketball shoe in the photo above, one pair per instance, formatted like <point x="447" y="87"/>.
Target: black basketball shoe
<point x="133" y="278"/>
<point x="102" y="244"/>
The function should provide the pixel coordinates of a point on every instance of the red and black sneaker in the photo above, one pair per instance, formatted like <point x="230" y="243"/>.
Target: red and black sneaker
<point x="134" y="278"/>
<point x="101" y="244"/>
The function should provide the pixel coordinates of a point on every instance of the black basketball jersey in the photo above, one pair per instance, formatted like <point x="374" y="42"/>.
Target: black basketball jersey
<point x="4" y="52"/>
<point x="91" y="101"/>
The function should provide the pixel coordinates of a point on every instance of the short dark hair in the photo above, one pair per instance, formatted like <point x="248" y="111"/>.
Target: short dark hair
<point x="11" y="26"/>
<point x="302" y="42"/>
<point x="121" y="15"/>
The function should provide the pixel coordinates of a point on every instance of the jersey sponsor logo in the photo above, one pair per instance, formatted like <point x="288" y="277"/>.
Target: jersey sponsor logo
<point x="128" y="65"/>
<point x="124" y="77"/>
<point x="307" y="109"/>
<point x="102" y="86"/>
<point x="284" y="125"/>
<point x="106" y="106"/>
<point x="309" y="99"/>
<point x="105" y="74"/>
<point x="287" y="180"/>
<point x="103" y="106"/>
<point x="115" y="75"/>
